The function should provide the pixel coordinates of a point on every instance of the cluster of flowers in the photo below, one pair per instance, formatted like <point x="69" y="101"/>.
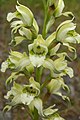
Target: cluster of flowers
<point x="41" y="53"/>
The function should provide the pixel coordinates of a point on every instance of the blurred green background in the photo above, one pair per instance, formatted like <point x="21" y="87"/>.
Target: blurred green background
<point x="70" y="111"/>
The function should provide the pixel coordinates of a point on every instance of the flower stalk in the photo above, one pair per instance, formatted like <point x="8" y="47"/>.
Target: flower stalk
<point x="43" y="55"/>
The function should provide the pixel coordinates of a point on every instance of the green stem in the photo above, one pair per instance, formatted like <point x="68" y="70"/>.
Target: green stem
<point x="45" y="83"/>
<point x="45" y="18"/>
<point x="36" y="115"/>
<point x="29" y="112"/>
<point x="39" y="74"/>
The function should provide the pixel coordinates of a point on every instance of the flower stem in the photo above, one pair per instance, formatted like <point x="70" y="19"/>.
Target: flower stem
<point x="45" y="18"/>
<point x="36" y="115"/>
<point x="39" y="74"/>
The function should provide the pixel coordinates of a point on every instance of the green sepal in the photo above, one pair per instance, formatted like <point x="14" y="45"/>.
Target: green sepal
<point x="55" y="85"/>
<point x="25" y="32"/>
<point x="56" y="7"/>
<point x="17" y="40"/>
<point x="50" y="39"/>
<point x="54" y="50"/>
<point x="13" y="77"/>
<point x="25" y="14"/>
<point x="37" y="103"/>
<point x="4" y="66"/>
<point x="11" y="16"/>
<point x="49" y="111"/>
<point x="7" y="108"/>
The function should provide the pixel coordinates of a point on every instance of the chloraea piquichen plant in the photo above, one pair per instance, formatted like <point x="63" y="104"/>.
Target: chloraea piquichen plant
<point x="43" y="53"/>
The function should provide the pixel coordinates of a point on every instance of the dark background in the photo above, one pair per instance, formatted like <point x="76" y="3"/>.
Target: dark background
<point x="70" y="111"/>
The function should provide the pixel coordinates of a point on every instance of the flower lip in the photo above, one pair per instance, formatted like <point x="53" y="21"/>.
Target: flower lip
<point x="34" y="91"/>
